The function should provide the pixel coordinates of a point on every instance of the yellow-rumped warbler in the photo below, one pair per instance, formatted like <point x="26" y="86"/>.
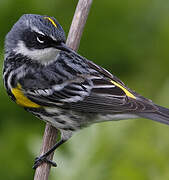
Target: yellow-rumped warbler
<point x="63" y="88"/>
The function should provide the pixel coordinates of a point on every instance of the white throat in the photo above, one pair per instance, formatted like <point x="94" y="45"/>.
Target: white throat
<point x="44" y="56"/>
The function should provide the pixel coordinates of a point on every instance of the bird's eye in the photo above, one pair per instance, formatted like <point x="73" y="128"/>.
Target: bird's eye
<point x="41" y="38"/>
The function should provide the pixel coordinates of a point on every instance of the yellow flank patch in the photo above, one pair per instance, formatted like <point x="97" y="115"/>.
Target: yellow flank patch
<point x="125" y="90"/>
<point x="21" y="99"/>
<point x="51" y="20"/>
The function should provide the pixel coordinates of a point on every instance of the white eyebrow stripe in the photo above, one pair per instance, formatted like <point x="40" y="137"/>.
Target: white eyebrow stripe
<point x="37" y="30"/>
<point x="40" y="32"/>
<point x="53" y="38"/>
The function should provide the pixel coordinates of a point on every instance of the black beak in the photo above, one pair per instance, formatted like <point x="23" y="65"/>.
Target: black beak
<point x="62" y="46"/>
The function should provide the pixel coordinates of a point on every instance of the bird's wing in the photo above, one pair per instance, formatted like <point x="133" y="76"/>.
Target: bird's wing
<point x="111" y="97"/>
<point x="89" y="93"/>
<point x="73" y="90"/>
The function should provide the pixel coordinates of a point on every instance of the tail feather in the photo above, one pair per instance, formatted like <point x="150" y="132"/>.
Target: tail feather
<point x="161" y="115"/>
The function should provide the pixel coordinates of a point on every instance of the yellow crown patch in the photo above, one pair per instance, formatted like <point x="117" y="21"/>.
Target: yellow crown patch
<point x="51" y="20"/>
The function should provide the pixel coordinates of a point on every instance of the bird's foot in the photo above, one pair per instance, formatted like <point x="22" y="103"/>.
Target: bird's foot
<point x="42" y="159"/>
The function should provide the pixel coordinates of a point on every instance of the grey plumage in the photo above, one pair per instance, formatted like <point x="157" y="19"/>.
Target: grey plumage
<point x="65" y="89"/>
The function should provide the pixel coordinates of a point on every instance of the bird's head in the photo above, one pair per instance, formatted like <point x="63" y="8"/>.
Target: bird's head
<point x="37" y="37"/>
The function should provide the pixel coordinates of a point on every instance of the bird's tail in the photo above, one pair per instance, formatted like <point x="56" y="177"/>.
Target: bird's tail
<point x="161" y="115"/>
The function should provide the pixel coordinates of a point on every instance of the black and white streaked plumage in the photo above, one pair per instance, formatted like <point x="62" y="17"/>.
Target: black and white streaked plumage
<point x="63" y="88"/>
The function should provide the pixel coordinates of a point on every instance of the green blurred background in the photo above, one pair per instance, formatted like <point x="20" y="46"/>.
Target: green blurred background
<point x="129" y="38"/>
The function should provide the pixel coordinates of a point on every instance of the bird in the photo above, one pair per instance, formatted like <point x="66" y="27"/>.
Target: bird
<point x="63" y="88"/>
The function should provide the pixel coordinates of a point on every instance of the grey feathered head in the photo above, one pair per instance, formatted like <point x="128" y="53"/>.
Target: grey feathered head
<point x="34" y="32"/>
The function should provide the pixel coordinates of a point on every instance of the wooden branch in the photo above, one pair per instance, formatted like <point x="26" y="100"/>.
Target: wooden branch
<point x="78" y="23"/>
<point x="49" y="139"/>
<point x="73" y="41"/>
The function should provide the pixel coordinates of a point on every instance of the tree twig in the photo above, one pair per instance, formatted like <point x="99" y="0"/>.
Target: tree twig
<point x="73" y="41"/>
<point x="49" y="139"/>
<point x="78" y="23"/>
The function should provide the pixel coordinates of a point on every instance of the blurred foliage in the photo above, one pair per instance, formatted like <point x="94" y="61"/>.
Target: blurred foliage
<point x="129" y="38"/>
